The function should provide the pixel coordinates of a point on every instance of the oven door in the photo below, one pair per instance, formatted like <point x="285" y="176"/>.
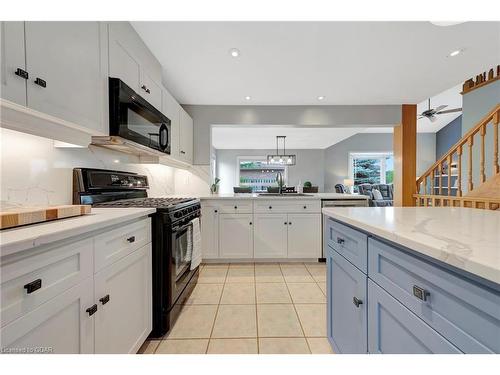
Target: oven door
<point x="182" y="249"/>
<point x="133" y="118"/>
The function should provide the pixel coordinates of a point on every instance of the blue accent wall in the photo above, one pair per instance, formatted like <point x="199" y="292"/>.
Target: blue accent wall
<point x="448" y="136"/>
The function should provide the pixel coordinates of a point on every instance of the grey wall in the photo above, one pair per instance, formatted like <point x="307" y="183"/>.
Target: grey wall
<point x="345" y="116"/>
<point x="310" y="167"/>
<point x="448" y="136"/>
<point x="337" y="156"/>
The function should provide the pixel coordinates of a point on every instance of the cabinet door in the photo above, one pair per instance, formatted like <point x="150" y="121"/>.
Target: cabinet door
<point x="270" y="235"/>
<point x="347" y="319"/>
<point x="210" y="232"/>
<point x="186" y="136"/>
<point x="304" y="235"/>
<point x="123" y="294"/>
<point x="150" y="90"/>
<point x="12" y="57"/>
<point x="67" y="57"/>
<point x="395" y="329"/>
<point x="122" y="64"/>
<point x="60" y="325"/>
<point x="235" y="236"/>
<point x="171" y="109"/>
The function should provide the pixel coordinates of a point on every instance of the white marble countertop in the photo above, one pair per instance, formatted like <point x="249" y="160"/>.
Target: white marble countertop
<point x="468" y="239"/>
<point x="335" y="196"/>
<point x="29" y="236"/>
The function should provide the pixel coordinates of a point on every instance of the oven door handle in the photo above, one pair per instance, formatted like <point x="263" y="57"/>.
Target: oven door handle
<point x="179" y="228"/>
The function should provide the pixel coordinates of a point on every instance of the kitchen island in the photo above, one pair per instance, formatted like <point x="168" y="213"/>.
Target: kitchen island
<point x="413" y="280"/>
<point x="263" y="227"/>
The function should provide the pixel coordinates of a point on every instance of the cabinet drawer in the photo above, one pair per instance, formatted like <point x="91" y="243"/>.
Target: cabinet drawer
<point x="350" y="243"/>
<point x="460" y="310"/>
<point x="117" y="243"/>
<point x="394" y="329"/>
<point x="28" y="282"/>
<point x="235" y="207"/>
<point x="287" y="206"/>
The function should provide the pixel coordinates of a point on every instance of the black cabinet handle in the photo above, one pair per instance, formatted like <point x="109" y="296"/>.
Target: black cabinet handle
<point x="235" y="207"/>
<point x="40" y="82"/>
<point x="289" y="223"/>
<point x="183" y="152"/>
<point x="356" y="301"/>
<point x="270" y="207"/>
<point x="21" y="73"/>
<point x="286" y="223"/>
<point x="216" y="211"/>
<point x="131" y="239"/>
<point x="250" y="223"/>
<point x="34" y="285"/>
<point x="420" y="293"/>
<point x="91" y="310"/>
<point x="145" y="88"/>
<point x="104" y="300"/>
<point x="340" y="241"/>
<point x="305" y="207"/>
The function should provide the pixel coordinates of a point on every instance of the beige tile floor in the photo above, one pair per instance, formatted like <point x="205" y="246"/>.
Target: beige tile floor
<point x="248" y="308"/>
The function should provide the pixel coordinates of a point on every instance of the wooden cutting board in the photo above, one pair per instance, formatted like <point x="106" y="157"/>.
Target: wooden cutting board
<point x="15" y="217"/>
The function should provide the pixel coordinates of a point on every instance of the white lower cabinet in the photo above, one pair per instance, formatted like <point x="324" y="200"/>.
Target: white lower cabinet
<point x="61" y="325"/>
<point x="236" y="236"/>
<point x="58" y="304"/>
<point x="304" y="235"/>
<point x="270" y="235"/>
<point x="236" y="229"/>
<point x="123" y="292"/>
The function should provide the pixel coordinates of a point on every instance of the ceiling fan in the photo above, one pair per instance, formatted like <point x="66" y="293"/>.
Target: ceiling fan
<point x="432" y="112"/>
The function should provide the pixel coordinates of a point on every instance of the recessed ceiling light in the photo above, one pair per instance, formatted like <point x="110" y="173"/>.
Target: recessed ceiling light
<point x="455" y="53"/>
<point x="248" y="97"/>
<point x="321" y="97"/>
<point x="234" y="52"/>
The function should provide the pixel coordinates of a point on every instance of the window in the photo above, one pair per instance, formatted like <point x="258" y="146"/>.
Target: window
<point x="371" y="168"/>
<point x="256" y="173"/>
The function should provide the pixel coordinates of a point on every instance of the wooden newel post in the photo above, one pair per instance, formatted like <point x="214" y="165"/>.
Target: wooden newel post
<point x="405" y="157"/>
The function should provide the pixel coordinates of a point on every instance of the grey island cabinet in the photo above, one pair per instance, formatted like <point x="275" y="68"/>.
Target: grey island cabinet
<point x="413" y="280"/>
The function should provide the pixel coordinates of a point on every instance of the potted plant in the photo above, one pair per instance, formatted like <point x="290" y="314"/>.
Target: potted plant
<point x="214" y="188"/>
<point x="309" y="188"/>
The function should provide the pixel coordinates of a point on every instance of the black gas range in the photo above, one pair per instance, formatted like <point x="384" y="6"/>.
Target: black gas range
<point x="173" y="279"/>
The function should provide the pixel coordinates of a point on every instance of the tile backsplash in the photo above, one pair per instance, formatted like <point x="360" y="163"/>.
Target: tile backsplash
<point x="34" y="172"/>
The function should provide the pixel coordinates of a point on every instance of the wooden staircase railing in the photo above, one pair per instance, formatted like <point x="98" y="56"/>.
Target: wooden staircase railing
<point x="430" y="189"/>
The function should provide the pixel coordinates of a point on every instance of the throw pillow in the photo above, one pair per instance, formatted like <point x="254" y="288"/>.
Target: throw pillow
<point x="377" y="195"/>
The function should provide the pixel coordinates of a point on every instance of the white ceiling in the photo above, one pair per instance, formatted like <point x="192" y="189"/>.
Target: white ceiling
<point x="452" y="98"/>
<point x="292" y="63"/>
<point x="264" y="137"/>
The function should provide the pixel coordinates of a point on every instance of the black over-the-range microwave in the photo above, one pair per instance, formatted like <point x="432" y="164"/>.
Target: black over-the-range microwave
<point x="133" y="118"/>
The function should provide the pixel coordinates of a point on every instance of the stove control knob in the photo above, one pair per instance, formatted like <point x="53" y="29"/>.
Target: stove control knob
<point x="178" y="214"/>
<point x="184" y="211"/>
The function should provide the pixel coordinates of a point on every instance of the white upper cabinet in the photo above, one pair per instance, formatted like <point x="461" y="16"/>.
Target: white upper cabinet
<point x="121" y="64"/>
<point x="66" y="79"/>
<point x="171" y="109"/>
<point x="13" y="73"/>
<point x="185" y="137"/>
<point x="150" y="90"/>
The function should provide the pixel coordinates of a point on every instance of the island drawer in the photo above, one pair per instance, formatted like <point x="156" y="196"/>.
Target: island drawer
<point x="28" y="282"/>
<point x="120" y="242"/>
<point x="287" y="206"/>
<point x="348" y="242"/>
<point x="235" y="206"/>
<point x="465" y="313"/>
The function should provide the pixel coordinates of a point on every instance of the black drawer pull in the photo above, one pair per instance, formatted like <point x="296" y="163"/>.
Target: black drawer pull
<point x="183" y="152"/>
<point x="420" y="293"/>
<point x="91" y="310"/>
<point x="34" y="285"/>
<point x="250" y="223"/>
<point x="131" y="239"/>
<point x="21" y="73"/>
<point x="305" y="207"/>
<point x="340" y="241"/>
<point x="270" y="207"/>
<point x="289" y="223"/>
<point x="104" y="300"/>
<point x="40" y="82"/>
<point x="216" y="211"/>
<point x="356" y="301"/>
<point x="235" y="207"/>
<point x="286" y="223"/>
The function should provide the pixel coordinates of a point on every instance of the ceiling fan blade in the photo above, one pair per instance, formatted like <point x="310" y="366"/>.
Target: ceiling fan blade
<point x="450" y="111"/>
<point x="439" y="108"/>
<point x="433" y="118"/>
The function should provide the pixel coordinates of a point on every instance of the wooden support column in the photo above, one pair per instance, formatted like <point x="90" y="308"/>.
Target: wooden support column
<point x="405" y="157"/>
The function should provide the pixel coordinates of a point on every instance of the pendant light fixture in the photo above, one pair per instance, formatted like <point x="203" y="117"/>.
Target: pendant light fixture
<point x="281" y="158"/>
